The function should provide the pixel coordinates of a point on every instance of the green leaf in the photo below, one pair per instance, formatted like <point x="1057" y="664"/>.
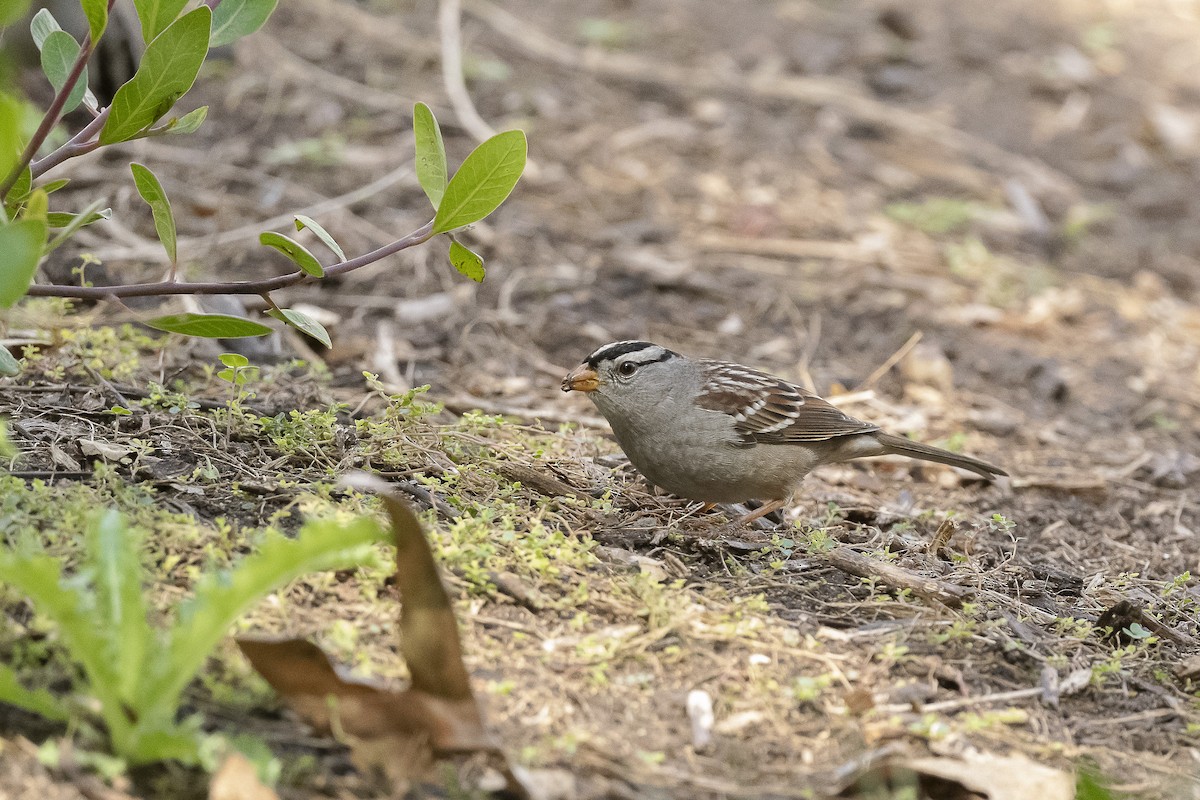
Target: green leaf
<point x="61" y="219"/>
<point x="152" y="192"/>
<point x="23" y="186"/>
<point x="41" y="26"/>
<point x="37" y="205"/>
<point x="9" y="365"/>
<point x="156" y="15"/>
<point x="297" y="252"/>
<point x="209" y="326"/>
<point x="91" y="214"/>
<point x="188" y="123"/>
<point x="484" y="180"/>
<point x="50" y="187"/>
<point x="12" y="10"/>
<point x="167" y="71"/>
<point x="304" y="323"/>
<point x="59" y="53"/>
<point x="117" y="580"/>
<point x="303" y="222"/>
<point x="11" y="141"/>
<point x="234" y="360"/>
<point x="97" y="17"/>
<point x="223" y="597"/>
<point x="234" y="19"/>
<point x="38" y="577"/>
<point x="466" y="262"/>
<point x="20" y="251"/>
<point x="431" y="154"/>
<point x="38" y="701"/>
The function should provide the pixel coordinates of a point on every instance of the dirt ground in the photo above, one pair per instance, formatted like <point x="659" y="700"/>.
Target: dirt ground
<point x="800" y="186"/>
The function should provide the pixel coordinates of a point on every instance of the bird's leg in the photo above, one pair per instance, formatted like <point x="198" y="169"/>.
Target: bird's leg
<point x="704" y="509"/>
<point x="762" y="511"/>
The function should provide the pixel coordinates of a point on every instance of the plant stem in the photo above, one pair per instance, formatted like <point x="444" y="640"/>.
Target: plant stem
<point x="161" y="288"/>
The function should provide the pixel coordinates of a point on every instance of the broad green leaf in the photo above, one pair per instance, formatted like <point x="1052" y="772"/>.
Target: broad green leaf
<point x="167" y="71"/>
<point x="223" y="597"/>
<point x="93" y="213"/>
<point x="484" y="180"/>
<point x="37" y="205"/>
<point x="61" y="219"/>
<point x="234" y="19"/>
<point x="41" y="26"/>
<point x="303" y="222"/>
<point x="234" y="360"/>
<point x="466" y="262"/>
<point x="117" y="580"/>
<point x="12" y="10"/>
<point x="152" y="192"/>
<point x="297" y="252"/>
<point x="304" y="323"/>
<point x="9" y="365"/>
<point x="59" y="53"/>
<point x="20" y="251"/>
<point x="97" y="17"/>
<point x="50" y="187"/>
<point x="188" y="123"/>
<point x="38" y="701"/>
<point x="22" y="187"/>
<point x="156" y="15"/>
<point x="431" y="154"/>
<point x="209" y="326"/>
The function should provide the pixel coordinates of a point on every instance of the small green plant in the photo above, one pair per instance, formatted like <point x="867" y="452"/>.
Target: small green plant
<point x="132" y="672"/>
<point x="936" y="215"/>
<point x="177" y="41"/>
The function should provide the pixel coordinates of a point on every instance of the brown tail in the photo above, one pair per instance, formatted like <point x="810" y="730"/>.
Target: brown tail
<point x="896" y="445"/>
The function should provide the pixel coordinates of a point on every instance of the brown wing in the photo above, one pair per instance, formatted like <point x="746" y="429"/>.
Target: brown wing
<point x="767" y="410"/>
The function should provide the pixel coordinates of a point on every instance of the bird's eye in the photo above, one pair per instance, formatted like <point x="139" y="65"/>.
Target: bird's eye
<point x="627" y="369"/>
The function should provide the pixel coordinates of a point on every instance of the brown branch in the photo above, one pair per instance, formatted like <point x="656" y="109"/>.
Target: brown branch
<point x="78" y="145"/>
<point x="856" y="563"/>
<point x="259" y="287"/>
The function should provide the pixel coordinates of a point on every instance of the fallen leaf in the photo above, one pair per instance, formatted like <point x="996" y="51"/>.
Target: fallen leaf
<point x="236" y="779"/>
<point x="397" y="732"/>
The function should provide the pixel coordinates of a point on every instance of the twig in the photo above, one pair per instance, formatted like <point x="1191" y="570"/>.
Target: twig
<point x="786" y="248"/>
<point x="461" y="403"/>
<point x="856" y="563"/>
<point x="449" y="22"/>
<point x="160" y="288"/>
<point x="891" y="361"/>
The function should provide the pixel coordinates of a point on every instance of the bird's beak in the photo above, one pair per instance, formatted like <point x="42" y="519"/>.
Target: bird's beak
<point x="581" y="379"/>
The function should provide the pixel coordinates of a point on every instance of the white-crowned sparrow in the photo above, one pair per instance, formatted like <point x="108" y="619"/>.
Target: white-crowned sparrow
<point x="723" y="433"/>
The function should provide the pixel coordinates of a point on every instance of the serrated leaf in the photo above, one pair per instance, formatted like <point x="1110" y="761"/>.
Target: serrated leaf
<point x="59" y="53"/>
<point x="297" y="252"/>
<point x="431" y="154"/>
<point x="156" y="15"/>
<point x="303" y="222"/>
<point x="223" y="597"/>
<point x="188" y="123"/>
<point x="167" y="71"/>
<point x="97" y="17"/>
<point x="303" y="323"/>
<point x="42" y="25"/>
<point x="117" y="581"/>
<point x="38" y="701"/>
<point x="9" y="365"/>
<point x="466" y="261"/>
<point x="152" y="192"/>
<point x="20" y="251"/>
<point x="92" y="213"/>
<point x="234" y="19"/>
<point x="209" y="326"/>
<point x="482" y="183"/>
